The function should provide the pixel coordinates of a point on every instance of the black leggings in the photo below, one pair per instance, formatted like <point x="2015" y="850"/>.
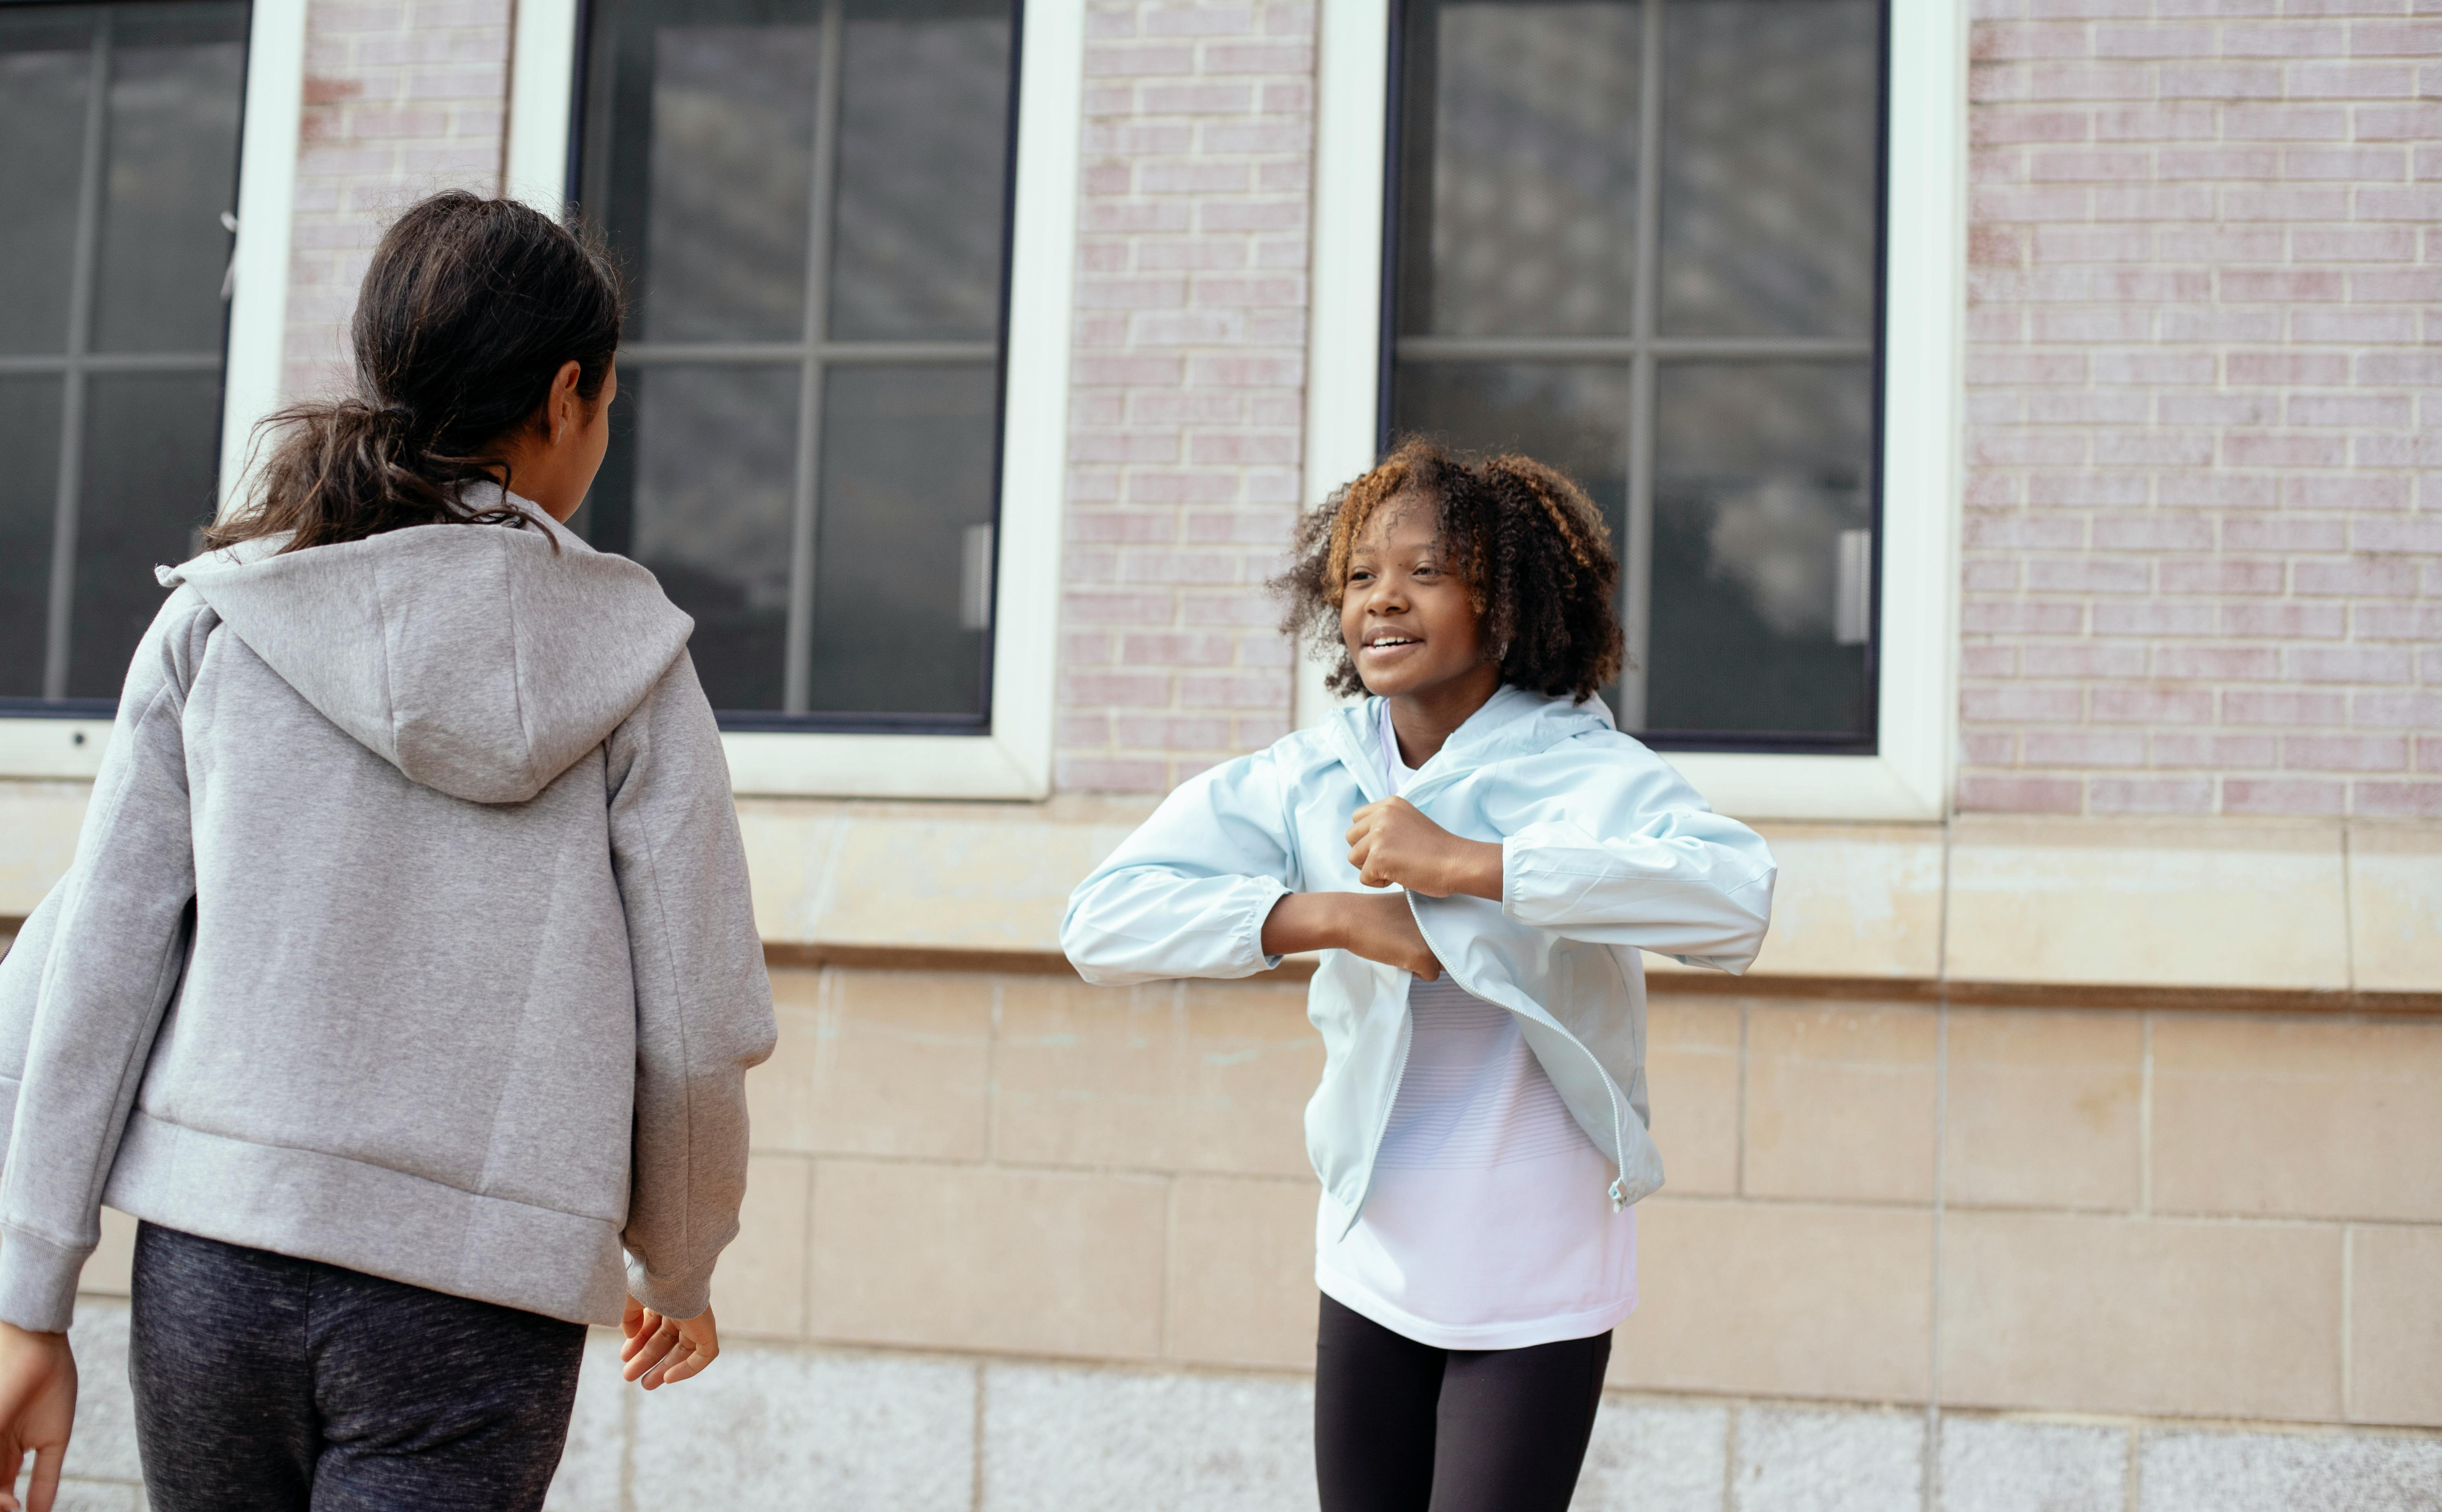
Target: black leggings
<point x="268" y="1384"/>
<point x="1403" y="1427"/>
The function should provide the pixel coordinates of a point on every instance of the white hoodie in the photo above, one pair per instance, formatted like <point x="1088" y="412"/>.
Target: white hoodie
<point x="409" y="931"/>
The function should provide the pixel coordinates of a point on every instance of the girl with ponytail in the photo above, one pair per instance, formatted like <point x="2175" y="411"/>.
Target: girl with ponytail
<point x="1480" y="857"/>
<point x="405" y="980"/>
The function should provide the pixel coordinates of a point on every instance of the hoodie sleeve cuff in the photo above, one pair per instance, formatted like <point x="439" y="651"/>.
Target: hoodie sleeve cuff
<point x="38" y="1281"/>
<point x="1250" y="952"/>
<point x="680" y="1295"/>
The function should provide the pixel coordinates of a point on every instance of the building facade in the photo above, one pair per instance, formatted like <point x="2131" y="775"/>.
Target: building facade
<point x="2019" y="427"/>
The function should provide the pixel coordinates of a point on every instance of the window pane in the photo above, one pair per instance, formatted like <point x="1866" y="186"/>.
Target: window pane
<point x="1769" y="143"/>
<point x="702" y="165"/>
<point x="45" y="62"/>
<point x="699" y="487"/>
<point x="907" y="475"/>
<point x="1573" y="415"/>
<point x="151" y="450"/>
<point x="923" y="160"/>
<point x="177" y="76"/>
<point x="1757" y="470"/>
<point x="1519" y="186"/>
<point x="29" y="467"/>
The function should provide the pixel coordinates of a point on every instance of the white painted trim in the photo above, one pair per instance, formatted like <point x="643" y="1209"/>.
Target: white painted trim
<point x="1910" y="776"/>
<point x="253" y="361"/>
<point x="1014" y="759"/>
<point x="1344" y="357"/>
<point x="257" y="328"/>
<point x="542" y="72"/>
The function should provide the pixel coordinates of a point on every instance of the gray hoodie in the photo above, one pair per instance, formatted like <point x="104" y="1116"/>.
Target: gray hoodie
<point x="409" y="931"/>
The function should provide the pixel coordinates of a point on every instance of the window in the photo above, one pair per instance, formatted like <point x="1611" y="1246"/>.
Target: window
<point x="810" y="198"/>
<point x="121" y="125"/>
<point x="1638" y="239"/>
<point x="1359" y="351"/>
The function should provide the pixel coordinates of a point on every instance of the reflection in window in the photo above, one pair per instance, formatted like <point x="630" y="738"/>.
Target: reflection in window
<point x="120" y="128"/>
<point x="1638" y="240"/>
<point x="809" y="198"/>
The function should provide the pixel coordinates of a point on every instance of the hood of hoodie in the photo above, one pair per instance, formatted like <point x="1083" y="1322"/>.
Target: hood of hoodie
<point x="1513" y="722"/>
<point x="476" y="658"/>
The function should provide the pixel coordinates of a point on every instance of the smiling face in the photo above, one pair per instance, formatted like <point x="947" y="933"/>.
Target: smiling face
<point x="1406" y="614"/>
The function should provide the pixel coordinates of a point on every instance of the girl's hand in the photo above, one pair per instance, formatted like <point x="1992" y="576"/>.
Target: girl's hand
<point x="1379" y="929"/>
<point x="661" y="1350"/>
<point x="1393" y="841"/>
<point x="38" y="1392"/>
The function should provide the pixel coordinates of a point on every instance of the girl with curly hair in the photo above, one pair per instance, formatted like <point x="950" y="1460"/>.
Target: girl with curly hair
<point x="1478" y="856"/>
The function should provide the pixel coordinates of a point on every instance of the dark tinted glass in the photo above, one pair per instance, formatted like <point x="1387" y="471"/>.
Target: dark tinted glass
<point x="922" y="164"/>
<point x="810" y="198"/>
<point x="47" y="62"/>
<point x="1519" y="186"/>
<point x="1769" y="145"/>
<point x="908" y="475"/>
<point x="178" y="77"/>
<point x="699" y="487"/>
<point x="1757" y="470"/>
<point x="151" y="443"/>
<point x="710" y="164"/>
<point x="1573" y="415"/>
<point x="29" y="456"/>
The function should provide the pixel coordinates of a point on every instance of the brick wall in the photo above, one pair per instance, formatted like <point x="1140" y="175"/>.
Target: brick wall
<point x="1187" y="392"/>
<point x="402" y="97"/>
<point x="2204" y="519"/>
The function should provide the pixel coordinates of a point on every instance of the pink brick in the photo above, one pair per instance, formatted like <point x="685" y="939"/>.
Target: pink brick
<point x="2288" y="40"/>
<point x="2000" y="127"/>
<point x="2260" y="448"/>
<point x="2220" y="162"/>
<point x="2282" y="795"/>
<point x="2218" y="664"/>
<point x="2203" y="81"/>
<point x="2355" y="577"/>
<point x="2158" y="123"/>
<point x="2021" y="616"/>
<point x="2396" y="800"/>
<point x="1989" y="748"/>
<point x="2395" y="711"/>
<point x="2209" y="751"/>
<point x="1997" y="795"/>
<point x="2406" y="39"/>
<point x="2350" y="664"/>
<point x="2344" y="491"/>
<point x="2220" y="574"/>
<point x="1084" y="688"/>
<point x="2216" y="409"/>
<point x="2283" y="533"/>
<point x="1095" y="774"/>
<point x="2150" y="796"/>
<point x="2089" y="575"/>
<point x="2087" y="660"/>
<point x="2021" y="704"/>
<point x="2154" y="705"/>
<point x="2285" y="123"/>
<point x="2350" y="409"/>
<point x="2287" y="620"/>
<point x="2084" y="748"/>
<point x="2421" y="121"/>
<point x="2152" y="617"/>
<point x="2344" y="753"/>
<point x="2351" y="81"/>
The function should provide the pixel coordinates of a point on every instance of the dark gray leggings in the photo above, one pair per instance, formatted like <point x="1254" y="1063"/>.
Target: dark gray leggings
<point x="268" y="1384"/>
<point x="1403" y="1427"/>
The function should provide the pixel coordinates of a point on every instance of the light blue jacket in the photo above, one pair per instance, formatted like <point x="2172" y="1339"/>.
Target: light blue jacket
<point x="1604" y="850"/>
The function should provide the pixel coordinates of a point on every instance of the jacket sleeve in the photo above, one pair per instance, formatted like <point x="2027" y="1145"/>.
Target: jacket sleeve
<point x="1605" y="843"/>
<point x="1188" y="893"/>
<point x="84" y="989"/>
<point x="703" y="1004"/>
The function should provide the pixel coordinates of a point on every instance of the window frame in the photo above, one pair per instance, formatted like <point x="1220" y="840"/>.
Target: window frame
<point x="1012" y="758"/>
<point x="1909" y="774"/>
<point x="68" y="745"/>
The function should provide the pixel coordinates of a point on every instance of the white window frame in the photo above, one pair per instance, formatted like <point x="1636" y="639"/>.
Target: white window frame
<point x="258" y="327"/>
<point x="1910" y="775"/>
<point x="1013" y="759"/>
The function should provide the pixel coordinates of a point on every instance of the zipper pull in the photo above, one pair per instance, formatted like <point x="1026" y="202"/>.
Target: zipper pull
<point x="1619" y="1194"/>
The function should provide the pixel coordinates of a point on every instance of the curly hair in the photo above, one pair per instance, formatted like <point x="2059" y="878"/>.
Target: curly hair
<point x="1528" y="543"/>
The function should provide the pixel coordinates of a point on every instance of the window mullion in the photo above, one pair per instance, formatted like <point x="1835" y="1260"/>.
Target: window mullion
<point x="798" y="674"/>
<point x="1637" y="550"/>
<point x="81" y="279"/>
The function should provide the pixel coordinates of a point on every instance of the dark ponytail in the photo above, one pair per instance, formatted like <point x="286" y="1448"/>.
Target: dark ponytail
<point x="466" y="314"/>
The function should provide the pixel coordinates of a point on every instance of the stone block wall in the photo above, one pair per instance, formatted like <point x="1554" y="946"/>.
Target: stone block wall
<point x="2204" y="511"/>
<point x="1189" y="385"/>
